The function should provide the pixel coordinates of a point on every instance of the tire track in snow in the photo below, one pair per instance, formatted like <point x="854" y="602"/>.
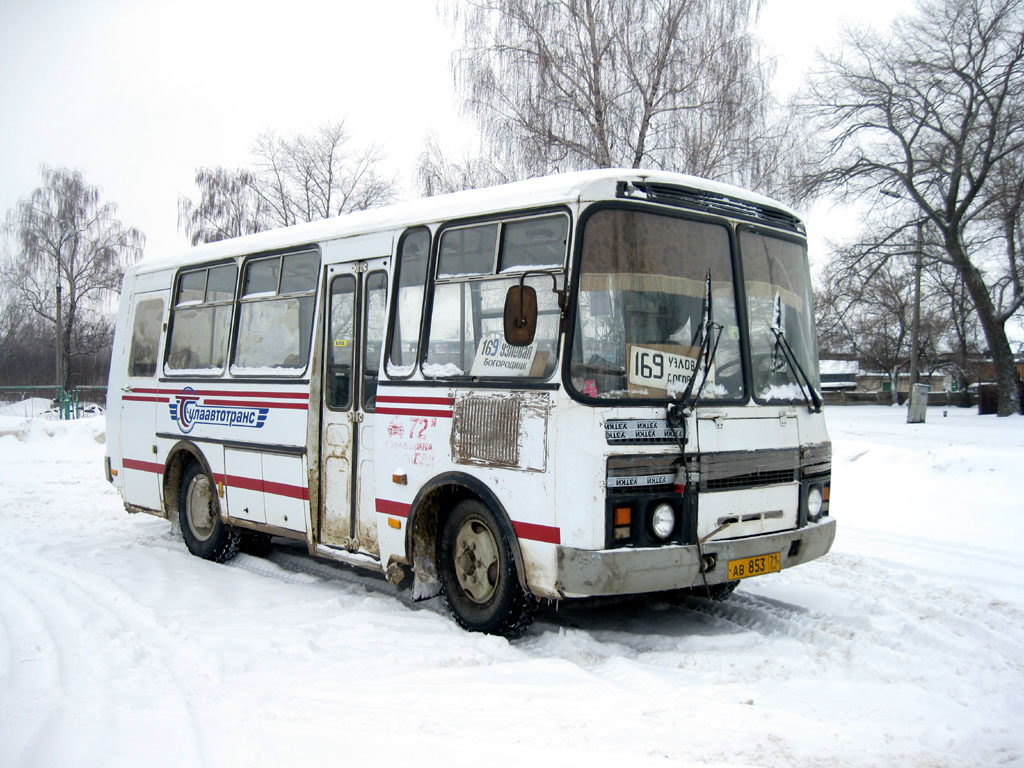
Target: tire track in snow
<point x="33" y="654"/>
<point x="77" y="602"/>
<point x="884" y="624"/>
<point x="953" y="620"/>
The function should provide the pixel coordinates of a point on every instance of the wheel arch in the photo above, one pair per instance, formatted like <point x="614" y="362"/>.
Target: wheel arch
<point x="182" y="453"/>
<point x="432" y="504"/>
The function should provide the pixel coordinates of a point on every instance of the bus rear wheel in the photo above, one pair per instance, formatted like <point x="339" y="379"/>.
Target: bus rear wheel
<point x="205" y="534"/>
<point x="478" y="573"/>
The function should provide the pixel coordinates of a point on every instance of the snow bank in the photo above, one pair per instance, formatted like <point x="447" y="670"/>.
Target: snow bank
<point x="91" y="428"/>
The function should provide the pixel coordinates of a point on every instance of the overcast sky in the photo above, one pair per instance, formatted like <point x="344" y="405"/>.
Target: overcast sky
<point x="137" y="94"/>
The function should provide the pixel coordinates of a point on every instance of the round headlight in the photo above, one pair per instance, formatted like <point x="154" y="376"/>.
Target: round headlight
<point x="663" y="521"/>
<point x="814" y="502"/>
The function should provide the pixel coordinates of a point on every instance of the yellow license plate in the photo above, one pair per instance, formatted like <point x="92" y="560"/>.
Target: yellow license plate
<point x="755" y="566"/>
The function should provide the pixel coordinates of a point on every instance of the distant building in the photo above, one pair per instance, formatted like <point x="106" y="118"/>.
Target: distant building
<point x="873" y="381"/>
<point x="839" y="375"/>
<point x="849" y="376"/>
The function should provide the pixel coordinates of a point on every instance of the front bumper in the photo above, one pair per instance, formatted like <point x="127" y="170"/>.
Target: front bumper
<point x="589" y="573"/>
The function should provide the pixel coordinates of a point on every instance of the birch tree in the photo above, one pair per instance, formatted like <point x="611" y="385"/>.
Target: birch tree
<point x="671" y="84"/>
<point x="69" y="255"/>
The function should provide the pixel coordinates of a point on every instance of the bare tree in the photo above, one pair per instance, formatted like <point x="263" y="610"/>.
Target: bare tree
<point x="303" y="178"/>
<point x="962" y="334"/>
<point x="319" y="175"/>
<point x="438" y="174"/>
<point x="69" y="258"/>
<point x="865" y="309"/>
<point x="12" y="317"/>
<point x="933" y="113"/>
<point x="567" y="84"/>
<point x="228" y="206"/>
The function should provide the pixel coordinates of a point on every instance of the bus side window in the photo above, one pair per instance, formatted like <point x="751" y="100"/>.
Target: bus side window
<point x="373" y="334"/>
<point x="201" y="320"/>
<point x="477" y="265"/>
<point x="340" y="343"/>
<point x="411" y="269"/>
<point x="149" y="314"/>
<point x="275" y="315"/>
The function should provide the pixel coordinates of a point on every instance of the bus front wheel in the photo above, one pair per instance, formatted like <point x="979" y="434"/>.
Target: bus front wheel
<point x="205" y="534"/>
<point x="478" y="573"/>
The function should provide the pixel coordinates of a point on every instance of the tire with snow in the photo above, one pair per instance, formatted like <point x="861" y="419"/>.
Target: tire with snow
<point x="478" y="573"/>
<point x="205" y="534"/>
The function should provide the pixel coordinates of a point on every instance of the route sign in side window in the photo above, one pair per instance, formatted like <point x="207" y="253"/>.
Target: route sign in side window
<point x="466" y="336"/>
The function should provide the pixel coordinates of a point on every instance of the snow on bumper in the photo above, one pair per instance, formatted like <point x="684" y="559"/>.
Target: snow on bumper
<point x="586" y="573"/>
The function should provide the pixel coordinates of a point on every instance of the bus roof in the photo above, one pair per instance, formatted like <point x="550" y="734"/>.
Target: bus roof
<point x="582" y="186"/>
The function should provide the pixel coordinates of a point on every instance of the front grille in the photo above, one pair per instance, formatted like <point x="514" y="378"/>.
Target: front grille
<point x="751" y="480"/>
<point x="726" y="465"/>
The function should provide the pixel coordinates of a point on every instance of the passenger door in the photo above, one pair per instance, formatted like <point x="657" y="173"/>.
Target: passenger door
<point x="354" y="336"/>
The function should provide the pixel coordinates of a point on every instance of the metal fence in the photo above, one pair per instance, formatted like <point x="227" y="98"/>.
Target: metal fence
<point x="52" y="401"/>
<point x="950" y="399"/>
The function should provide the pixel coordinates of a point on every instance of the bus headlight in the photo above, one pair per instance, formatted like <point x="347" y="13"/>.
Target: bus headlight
<point x="814" y="502"/>
<point x="663" y="521"/>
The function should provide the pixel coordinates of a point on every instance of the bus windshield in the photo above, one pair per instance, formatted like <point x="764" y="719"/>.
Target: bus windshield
<point x="640" y="304"/>
<point x="780" y="309"/>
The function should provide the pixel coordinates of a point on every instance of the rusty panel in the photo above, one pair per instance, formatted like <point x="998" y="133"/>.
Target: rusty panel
<point x="486" y="431"/>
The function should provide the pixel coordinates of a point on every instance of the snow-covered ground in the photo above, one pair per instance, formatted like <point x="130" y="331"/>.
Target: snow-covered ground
<point x="904" y="646"/>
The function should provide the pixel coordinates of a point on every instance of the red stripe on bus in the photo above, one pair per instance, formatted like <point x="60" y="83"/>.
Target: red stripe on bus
<point x="283" y="489"/>
<point x="265" y="486"/>
<point x="414" y="412"/>
<point x="535" y="532"/>
<point x="249" y="404"/>
<point x="223" y="393"/>
<point x="143" y="466"/>
<point x="145" y="399"/>
<point x="240" y="393"/>
<point x="234" y="481"/>
<point x="396" y="508"/>
<point x="416" y="400"/>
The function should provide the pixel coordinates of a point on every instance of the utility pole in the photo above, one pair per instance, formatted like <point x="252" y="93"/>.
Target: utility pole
<point x="917" y="402"/>
<point x="60" y="333"/>
<point x="915" y="328"/>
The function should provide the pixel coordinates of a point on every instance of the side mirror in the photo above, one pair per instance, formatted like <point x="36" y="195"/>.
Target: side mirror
<point x="520" y="315"/>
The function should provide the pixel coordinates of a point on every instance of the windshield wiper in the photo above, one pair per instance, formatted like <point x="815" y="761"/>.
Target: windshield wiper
<point x="708" y="347"/>
<point x="677" y="410"/>
<point x="814" y="401"/>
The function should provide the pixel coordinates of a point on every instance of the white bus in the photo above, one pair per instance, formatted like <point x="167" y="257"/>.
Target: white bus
<point x="597" y="383"/>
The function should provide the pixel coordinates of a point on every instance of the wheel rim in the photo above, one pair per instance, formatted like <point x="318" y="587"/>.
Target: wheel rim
<point x="199" y="503"/>
<point x="476" y="561"/>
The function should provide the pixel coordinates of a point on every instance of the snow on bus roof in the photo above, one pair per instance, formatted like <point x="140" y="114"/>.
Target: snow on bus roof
<point x="541" y="191"/>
